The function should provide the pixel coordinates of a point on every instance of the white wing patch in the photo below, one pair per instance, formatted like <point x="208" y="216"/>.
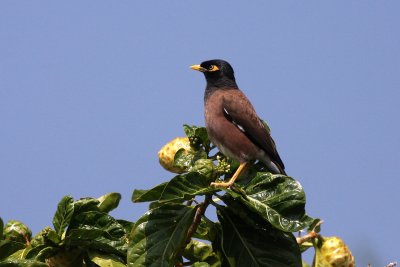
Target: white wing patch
<point x="234" y="122"/>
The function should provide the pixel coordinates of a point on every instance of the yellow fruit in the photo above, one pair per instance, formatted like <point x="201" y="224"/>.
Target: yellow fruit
<point x="167" y="153"/>
<point x="334" y="253"/>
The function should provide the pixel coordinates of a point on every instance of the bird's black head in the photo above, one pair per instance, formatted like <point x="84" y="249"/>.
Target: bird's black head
<point x="218" y="73"/>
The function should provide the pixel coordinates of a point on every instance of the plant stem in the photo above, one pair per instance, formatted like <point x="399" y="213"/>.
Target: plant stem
<point x="300" y="240"/>
<point x="197" y="218"/>
<point x="201" y="209"/>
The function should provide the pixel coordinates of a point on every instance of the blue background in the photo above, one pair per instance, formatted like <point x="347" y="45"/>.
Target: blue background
<point x="91" y="90"/>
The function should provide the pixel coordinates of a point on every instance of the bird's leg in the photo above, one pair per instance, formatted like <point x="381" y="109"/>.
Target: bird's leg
<point x="242" y="167"/>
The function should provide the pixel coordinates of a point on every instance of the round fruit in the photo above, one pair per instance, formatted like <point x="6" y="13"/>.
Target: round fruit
<point x="334" y="253"/>
<point x="205" y="167"/>
<point x="167" y="153"/>
<point x="17" y="231"/>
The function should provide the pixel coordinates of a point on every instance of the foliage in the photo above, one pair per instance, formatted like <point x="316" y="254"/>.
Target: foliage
<point x="255" y="218"/>
<point x="83" y="234"/>
<point x="251" y="223"/>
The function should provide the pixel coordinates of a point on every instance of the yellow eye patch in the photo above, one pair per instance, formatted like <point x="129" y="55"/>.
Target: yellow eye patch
<point x="213" y="68"/>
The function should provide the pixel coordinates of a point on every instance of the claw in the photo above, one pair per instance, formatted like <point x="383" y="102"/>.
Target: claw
<point x="242" y="167"/>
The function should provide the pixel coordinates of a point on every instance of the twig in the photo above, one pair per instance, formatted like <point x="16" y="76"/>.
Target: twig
<point x="312" y="234"/>
<point x="201" y="209"/>
<point x="300" y="240"/>
<point x="392" y="264"/>
<point x="197" y="218"/>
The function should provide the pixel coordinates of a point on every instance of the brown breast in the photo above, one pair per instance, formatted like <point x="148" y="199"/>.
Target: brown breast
<point x="229" y="139"/>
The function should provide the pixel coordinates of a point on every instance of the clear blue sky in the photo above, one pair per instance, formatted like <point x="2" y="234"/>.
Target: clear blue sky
<point x="90" y="90"/>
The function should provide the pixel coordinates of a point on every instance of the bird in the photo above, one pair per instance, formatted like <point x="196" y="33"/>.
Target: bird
<point x="232" y="123"/>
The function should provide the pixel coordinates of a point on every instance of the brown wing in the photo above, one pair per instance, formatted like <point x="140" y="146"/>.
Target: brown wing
<point x="239" y="110"/>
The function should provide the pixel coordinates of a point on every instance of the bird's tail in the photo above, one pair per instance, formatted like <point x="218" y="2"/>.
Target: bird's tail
<point x="275" y="168"/>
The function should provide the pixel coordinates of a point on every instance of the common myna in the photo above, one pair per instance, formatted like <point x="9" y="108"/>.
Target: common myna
<point x="232" y="123"/>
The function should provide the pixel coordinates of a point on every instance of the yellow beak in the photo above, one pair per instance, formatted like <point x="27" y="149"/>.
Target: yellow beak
<point x="198" y="68"/>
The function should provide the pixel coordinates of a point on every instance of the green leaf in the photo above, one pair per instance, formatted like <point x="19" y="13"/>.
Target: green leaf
<point x="22" y="263"/>
<point x="127" y="225"/>
<point x="8" y="247"/>
<point x="159" y="235"/>
<point x="33" y="253"/>
<point x="46" y="253"/>
<point x="197" y="251"/>
<point x="98" y="220"/>
<point x="153" y="194"/>
<point x="63" y="215"/>
<point x="207" y="230"/>
<point x="66" y="257"/>
<point x="109" y="201"/>
<point x="201" y="264"/>
<point x="198" y="136"/>
<point x="181" y="187"/>
<point x="97" y="230"/>
<point x="20" y="254"/>
<point x="94" y="239"/>
<point x="246" y="245"/>
<point x="105" y="260"/>
<point x="85" y="204"/>
<point x="185" y="159"/>
<point x="279" y="199"/>
<point x="46" y="236"/>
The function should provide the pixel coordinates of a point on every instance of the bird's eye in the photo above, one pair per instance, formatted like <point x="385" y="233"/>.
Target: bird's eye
<point x="213" y="68"/>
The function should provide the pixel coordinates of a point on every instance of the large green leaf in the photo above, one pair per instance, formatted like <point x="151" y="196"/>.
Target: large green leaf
<point x="159" y="235"/>
<point x="109" y="201"/>
<point x="97" y="230"/>
<point x="41" y="252"/>
<point x="279" y="199"/>
<point x="154" y="194"/>
<point x="85" y="204"/>
<point x="250" y="246"/>
<point x="98" y="220"/>
<point x="8" y="247"/>
<point x="22" y="263"/>
<point x="105" y="260"/>
<point x="63" y="215"/>
<point x="20" y="254"/>
<point x="94" y="239"/>
<point x="181" y="187"/>
<point x="46" y="253"/>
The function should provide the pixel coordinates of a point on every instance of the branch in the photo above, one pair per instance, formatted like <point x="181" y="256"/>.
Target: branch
<point x="197" y="218"/>
<point x="201" y="209"/>
<point x="392" y="264"/>
<point x="300" y="240"/>
<point x="312" y="234"/>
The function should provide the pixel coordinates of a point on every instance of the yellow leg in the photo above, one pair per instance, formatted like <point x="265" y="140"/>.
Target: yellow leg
<point x="239" y="170"/>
